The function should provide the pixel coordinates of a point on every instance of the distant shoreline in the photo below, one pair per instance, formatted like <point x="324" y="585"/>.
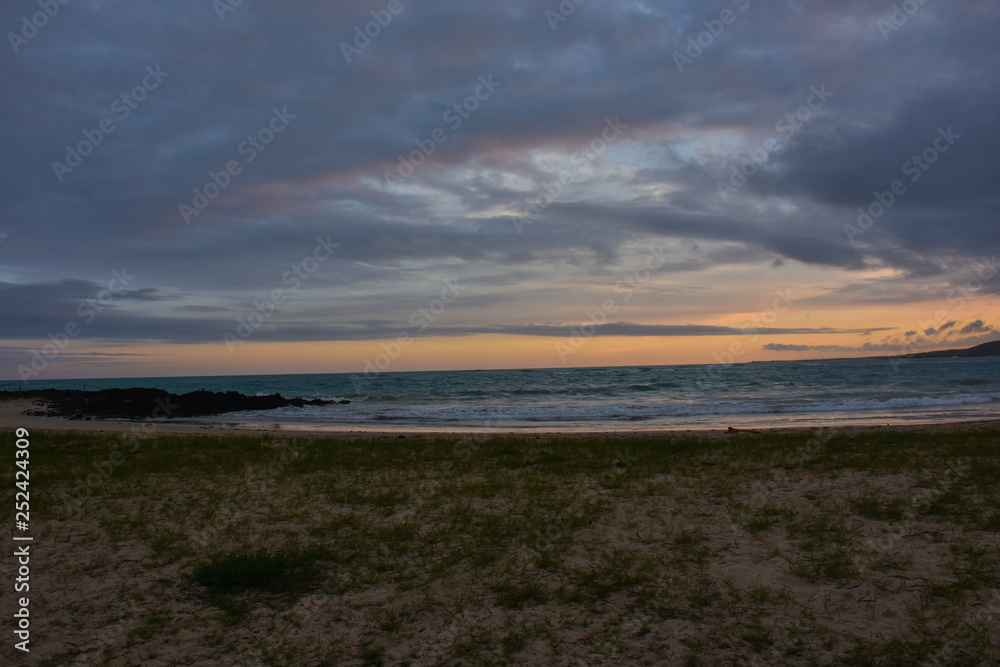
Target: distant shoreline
<point x="990" y="349"/>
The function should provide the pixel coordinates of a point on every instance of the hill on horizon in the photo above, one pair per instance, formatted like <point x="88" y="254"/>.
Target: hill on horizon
<point x="990" y="349"/>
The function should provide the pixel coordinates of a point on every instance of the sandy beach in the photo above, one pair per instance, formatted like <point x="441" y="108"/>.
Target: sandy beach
<point x="234" y="547"/>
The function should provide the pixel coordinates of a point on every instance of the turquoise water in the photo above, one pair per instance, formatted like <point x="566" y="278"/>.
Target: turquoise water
<point x="769" y="394"/>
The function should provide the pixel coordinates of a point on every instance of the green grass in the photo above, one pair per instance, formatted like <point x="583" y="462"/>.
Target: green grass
<point x="275" y="572"/>
<point x="827" y="547"/>
<point x="872" y="506"/>
<point x="633" y="538"/>
<point x="512" y="595"/>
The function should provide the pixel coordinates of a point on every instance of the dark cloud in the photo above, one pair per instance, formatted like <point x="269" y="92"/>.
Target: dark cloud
<point x="785" y="347"/>
<point x="976" y="327"/>
<point x="98" y="313"/>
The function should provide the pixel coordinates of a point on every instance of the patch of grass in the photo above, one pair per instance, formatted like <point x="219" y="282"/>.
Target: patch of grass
<point x="826" y="548"/>
<point x="475" y="647"/>
<point x="952" y="503"/>
<point x="833" y="564"/>
<point x="703" y="593"/>
<point x="757" y="636"/>
<point x="762" y="595"/>
<point x="513" y="643"/>
<point x="758" y="520"/>
<point x="896" y="652"/>
<point x="515" y="596"/>
<point x="974" y="568"/>
<point x="391" y="622"/>
<point x="872" y="506"/>
<point x="619" y="570"/>
<point x="692" y="659"/>
<point x="235" y="609"/>
<point x="990" y="522"/>
<point x="884" y="561"/>
<point x="372" y="655"/>
<point x="170" y="545"/>
<point x="689" y="548"/>
<point x="151" y="625"/>
<point x="277" y="572"/>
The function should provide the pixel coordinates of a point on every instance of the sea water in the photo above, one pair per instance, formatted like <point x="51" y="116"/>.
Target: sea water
<point x="752" y="395"/>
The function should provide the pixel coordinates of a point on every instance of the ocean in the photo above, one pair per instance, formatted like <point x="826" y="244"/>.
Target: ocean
<point x="751" y="395"/>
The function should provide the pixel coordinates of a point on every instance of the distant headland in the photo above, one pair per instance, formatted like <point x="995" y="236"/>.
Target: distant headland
<point x="991" y="349"/>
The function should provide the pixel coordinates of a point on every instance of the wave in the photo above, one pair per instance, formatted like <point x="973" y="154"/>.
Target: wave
<point x="618" y="412"/>
<point x="372" y="397"/>
<point x="654" y="386"/>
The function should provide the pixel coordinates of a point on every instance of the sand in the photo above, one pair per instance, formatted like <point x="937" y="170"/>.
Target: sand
<point x="547" y="550"/>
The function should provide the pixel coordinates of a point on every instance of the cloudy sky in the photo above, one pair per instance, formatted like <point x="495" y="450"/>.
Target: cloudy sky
<point x="299" y="186"/>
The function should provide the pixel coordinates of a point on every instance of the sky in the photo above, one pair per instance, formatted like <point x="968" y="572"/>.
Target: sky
<point x="254" y="186"/>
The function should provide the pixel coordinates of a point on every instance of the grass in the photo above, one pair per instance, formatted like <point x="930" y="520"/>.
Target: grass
<point x="826" y="548"/>
<point x="872" y="506"/>
<point x="278" y="572"/>
<point x="512" y="595"/>
<point x="511" y="550"/>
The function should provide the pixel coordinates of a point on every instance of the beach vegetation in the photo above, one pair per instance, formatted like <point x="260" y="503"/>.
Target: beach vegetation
<point x="500" y="549"/>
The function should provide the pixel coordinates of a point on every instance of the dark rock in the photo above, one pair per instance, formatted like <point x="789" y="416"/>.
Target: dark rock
<point x="142" y="403"/>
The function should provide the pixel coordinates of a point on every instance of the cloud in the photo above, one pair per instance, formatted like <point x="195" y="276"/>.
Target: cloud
<point x="976" y="327"/>
<point x="324" y="174"/>
<point x="970" y="335"/>
<point x="784" y="347"/>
